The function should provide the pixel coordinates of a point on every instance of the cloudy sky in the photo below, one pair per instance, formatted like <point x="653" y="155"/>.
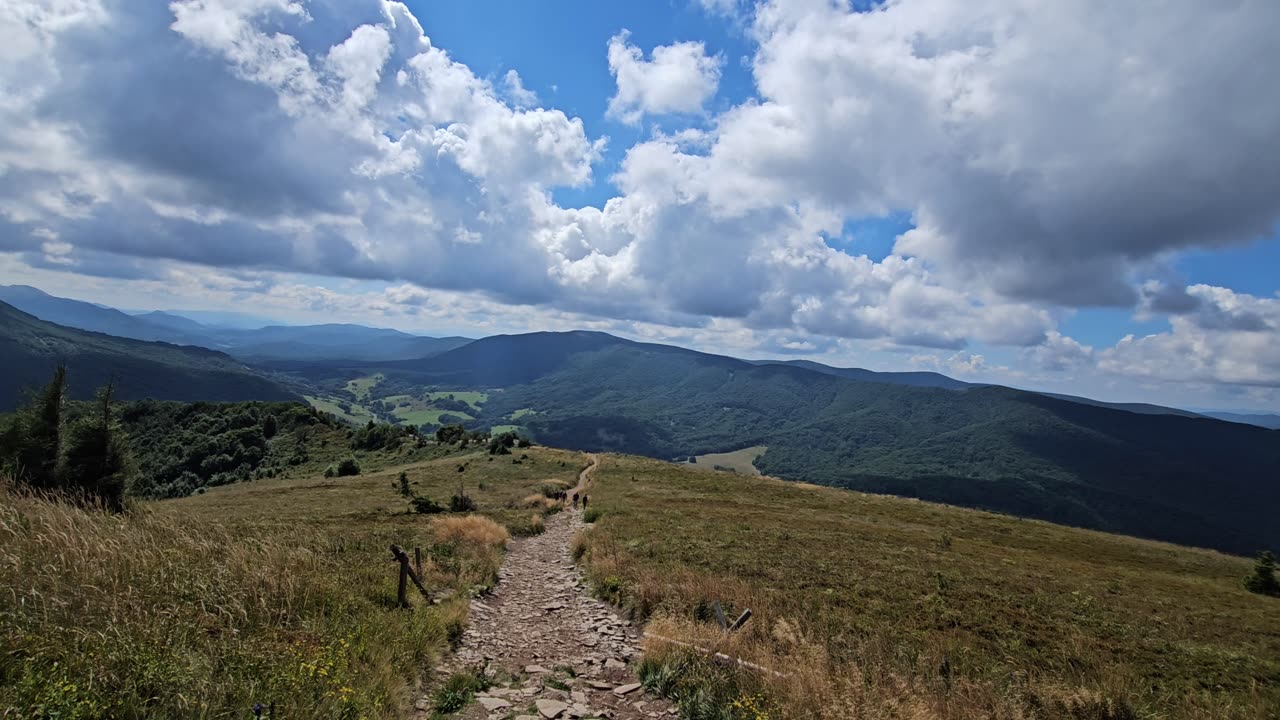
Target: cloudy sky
<point x="1079" y="195"/>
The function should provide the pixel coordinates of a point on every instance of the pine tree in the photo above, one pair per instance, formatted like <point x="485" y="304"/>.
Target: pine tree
<point x="1263" y="580"/>
<point x="37" y="434"/>
<point x="96" y="460"/>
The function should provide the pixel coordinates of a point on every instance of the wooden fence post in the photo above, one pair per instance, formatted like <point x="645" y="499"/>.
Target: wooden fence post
<point x="406" y="573"/>
<point x="417" y="560"/>
<point x="742" y="620"/>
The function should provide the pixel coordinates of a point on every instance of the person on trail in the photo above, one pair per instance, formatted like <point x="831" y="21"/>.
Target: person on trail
<point x="584" y="503"/>
<point x="574" y="497"/>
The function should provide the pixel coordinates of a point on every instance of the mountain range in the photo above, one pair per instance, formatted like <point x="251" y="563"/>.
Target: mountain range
<point x="1170" y="476"/>
<point x="1138" y="469"/>
<point x="264" y="344"/>
<point x="30" y="348"/>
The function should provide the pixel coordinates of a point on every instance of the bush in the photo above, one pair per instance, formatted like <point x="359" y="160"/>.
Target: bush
<point x="1263" y="580"/>
<point x="592" y="514"/>
<point x="348" y="467"/>
<point x="330" y="471"/>
<point x="461" y="503"/>
<point x="426" y="506"/>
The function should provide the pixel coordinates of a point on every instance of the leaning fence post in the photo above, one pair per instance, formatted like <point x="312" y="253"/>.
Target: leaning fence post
<point x="742" y="620"/>
<point x="724" y="624"/>
<point x="417" y="560"/>
<point x="406" y="574"/>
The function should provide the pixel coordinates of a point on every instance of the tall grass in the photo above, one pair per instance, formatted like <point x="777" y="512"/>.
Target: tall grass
<point x="877" y="607"/>
<point x="164" y="614"/>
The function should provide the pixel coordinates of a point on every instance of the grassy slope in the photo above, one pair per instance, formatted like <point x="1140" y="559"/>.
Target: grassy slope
<point x="272" y="591"/>
<point x="886" y="607"/>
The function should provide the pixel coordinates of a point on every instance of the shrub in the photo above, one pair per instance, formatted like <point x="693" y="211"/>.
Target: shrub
<point x="461" y="504"/>
<point x="330" y="471"/>
<point x="1263" y="580"/>
<point x="348" y="467"/>
<point x="426" y="506"/>
<point x="592" y="514"/>
<point x="472" y="529"/>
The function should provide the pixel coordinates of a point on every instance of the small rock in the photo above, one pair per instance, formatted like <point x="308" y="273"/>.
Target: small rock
<point x="626" y="689"/>
<point x="612" y="663"/>
<point x="534" y="669"/>
<point x="492" y="703"/>
<point x="550" y="708"/>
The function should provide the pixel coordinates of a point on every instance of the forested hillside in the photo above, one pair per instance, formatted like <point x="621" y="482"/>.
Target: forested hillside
<point x="1190" y="480"/>
<point x="30" y="348"/>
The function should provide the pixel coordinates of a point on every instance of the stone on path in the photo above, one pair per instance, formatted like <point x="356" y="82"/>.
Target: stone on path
<point x="626" y="689"/>
<point x="550" y="708"/>
<point x="493" y="703"/>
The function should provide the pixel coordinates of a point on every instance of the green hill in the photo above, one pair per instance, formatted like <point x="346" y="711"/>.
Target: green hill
<point x="1189" y="480"/>
<point x="30" y="348"/>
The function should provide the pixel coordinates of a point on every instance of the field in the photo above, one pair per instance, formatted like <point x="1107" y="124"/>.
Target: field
<point x="276" y="591"/>
<point x="522" y="412"/>
<point x="499" y="429"/>
<point x="357" y="416"/>
<point x="360" y="387"/>
<point x="471" y="397"/>
<point x="882" y="607"/>
<point x="425" y="417"/>
<point x="739" y="461"/>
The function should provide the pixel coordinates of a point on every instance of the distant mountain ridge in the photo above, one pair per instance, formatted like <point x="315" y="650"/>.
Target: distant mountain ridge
<point x="1270" y="421"/>
<point x="30" y="348"/>
<point x="1166" y="475"/>
<point x="275" y="342"/>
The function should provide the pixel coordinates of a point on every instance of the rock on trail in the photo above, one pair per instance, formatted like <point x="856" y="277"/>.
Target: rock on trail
<point x="556" y="652"/>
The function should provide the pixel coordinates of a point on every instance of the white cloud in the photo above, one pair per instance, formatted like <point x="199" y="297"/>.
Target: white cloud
<point x="1049" y="156"/>
<point x="1232" y="338"/>
<point x="519" y="96"/>
<point x="679" y="78"/>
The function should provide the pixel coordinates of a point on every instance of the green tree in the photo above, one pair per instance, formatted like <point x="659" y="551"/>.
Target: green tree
<point x="95" y="463"/>
<point x="1263" y="580"/>
<point x="269" y="426"/>
<point x="37" y="435"/>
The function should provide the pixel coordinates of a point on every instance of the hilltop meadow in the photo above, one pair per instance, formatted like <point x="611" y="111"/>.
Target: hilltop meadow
<point x="882" y="607"/>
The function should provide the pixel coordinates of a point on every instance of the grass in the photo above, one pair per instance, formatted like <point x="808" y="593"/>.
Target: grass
<point x="274" y="591"/>
<point x="499" y="429"/>
<point x="425" y="417"/>
<point x="739" y="461"/>
<point x="357" y="416"/>
<point x="882" y="607"/>
<point x="361" y="386"/>
<point x="473" y="398"/>
<point x="522" y="412"/>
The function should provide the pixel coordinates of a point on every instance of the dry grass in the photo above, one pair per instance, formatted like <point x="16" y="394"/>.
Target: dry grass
<point x="276" y="591"/>
<point x="879" y="607"/>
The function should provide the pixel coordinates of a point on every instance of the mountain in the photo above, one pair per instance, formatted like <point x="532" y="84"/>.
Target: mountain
<point x="88" y="316"/>
<point x="331" y="342"/>
<point x="1267" y="420"/>
<point x="262" y="344"/>
<point x="1140" y="408"/>
<point x="1190" y="480"/>
<point x="30" y="348"/>
<point x="914" y="379"/>
<point x="161" y="318"/>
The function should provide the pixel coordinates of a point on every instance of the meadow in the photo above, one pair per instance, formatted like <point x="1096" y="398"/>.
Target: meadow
<point x="279" y="592"/>
<point x="883" y="607"/>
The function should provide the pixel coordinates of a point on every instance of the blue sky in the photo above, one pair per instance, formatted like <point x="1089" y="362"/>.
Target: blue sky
<point x="910" y="185"/>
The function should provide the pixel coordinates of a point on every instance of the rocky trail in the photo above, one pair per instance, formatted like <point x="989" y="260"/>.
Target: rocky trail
<point x="553" y="650"/>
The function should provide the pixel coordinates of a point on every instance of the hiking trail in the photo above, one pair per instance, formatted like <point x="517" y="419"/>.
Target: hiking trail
<point x="556" y="651"/>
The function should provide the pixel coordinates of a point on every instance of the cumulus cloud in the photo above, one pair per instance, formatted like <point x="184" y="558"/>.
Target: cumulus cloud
<point x="1231" y="338"/>
<point x="1048" y="156"/>
<point x="678" y="78"/>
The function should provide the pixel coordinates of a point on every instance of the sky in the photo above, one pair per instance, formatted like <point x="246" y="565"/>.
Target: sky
<point x="1073" y="195"/>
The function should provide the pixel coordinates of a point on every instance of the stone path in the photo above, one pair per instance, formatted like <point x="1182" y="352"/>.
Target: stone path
<point x="555" y="651"/>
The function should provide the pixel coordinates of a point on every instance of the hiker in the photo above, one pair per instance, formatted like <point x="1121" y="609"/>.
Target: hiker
<point x="584" y="503"/>
<point x="574" y="497"/>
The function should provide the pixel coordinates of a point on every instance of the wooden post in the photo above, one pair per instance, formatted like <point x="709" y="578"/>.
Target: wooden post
<point x="417" y="560"/>
<point x="742" y="620"/>
<point x="401" y="600"/>
<point x="407" y="573"/>
<point x="719" y="615"/>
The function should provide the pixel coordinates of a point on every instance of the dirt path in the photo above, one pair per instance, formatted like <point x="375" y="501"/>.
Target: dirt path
<point x="556" y="651"/>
